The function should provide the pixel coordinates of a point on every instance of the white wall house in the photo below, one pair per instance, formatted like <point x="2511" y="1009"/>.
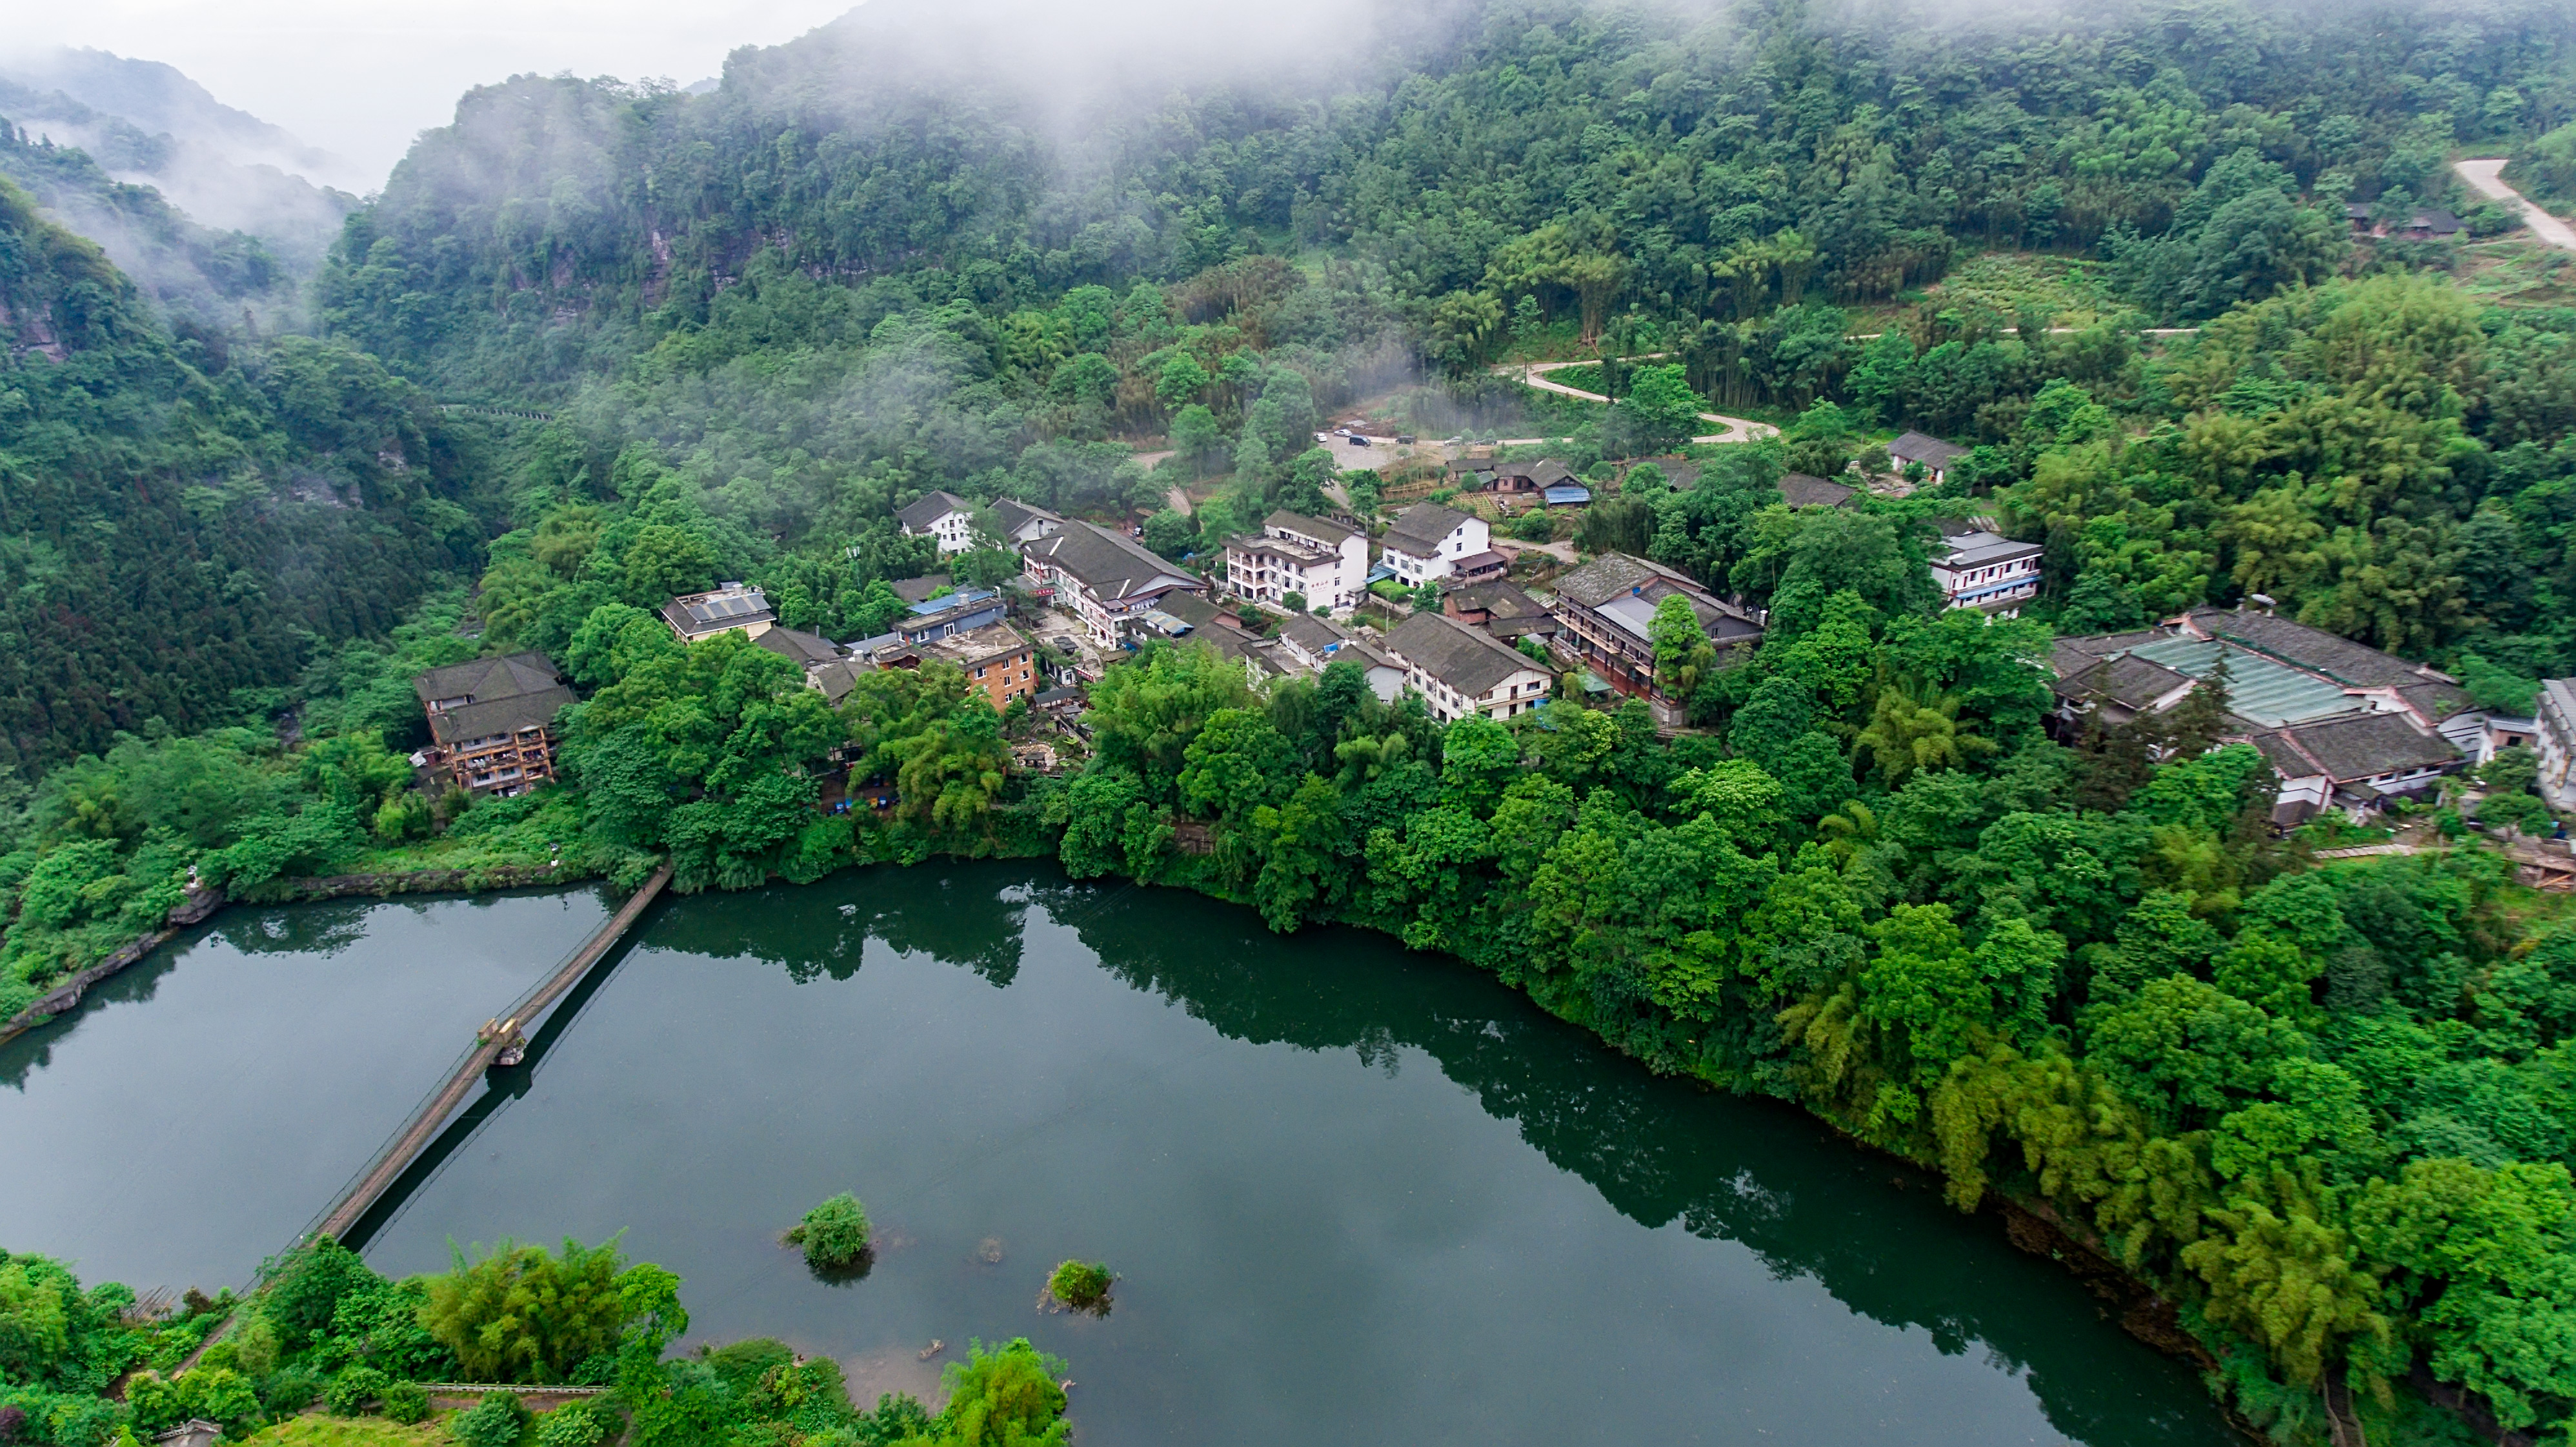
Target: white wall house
<point x="2557" y="742"/>
<point x="1024" y="522"/>
<point x="1313" y="645"/>
<point x="1426" y="541"/>
<point x="941" y="515"/>
<point x="1107" y="580"/>
<point x="1322" y="562"/>
<point x="1982" y="570"/>
<point x="1460" y="670"/>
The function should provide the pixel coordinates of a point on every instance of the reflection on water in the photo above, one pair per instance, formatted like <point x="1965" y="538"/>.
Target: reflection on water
<point x="195" y="1111"/>
<point x="1352" y="1193"/>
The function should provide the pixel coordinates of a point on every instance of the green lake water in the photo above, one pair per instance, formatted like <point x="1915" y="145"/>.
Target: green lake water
<point x="1352" y="1194"/>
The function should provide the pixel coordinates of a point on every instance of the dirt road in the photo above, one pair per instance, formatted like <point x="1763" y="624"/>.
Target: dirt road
<point x="2487" y="179"/>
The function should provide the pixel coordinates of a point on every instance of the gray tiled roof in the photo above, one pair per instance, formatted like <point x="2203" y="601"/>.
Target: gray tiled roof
<point x="2129" y="681"/>
<point x="1310" y="632"/>
<point x="802" y="649"/>
<point x="2356" y="665"/>
<point x="2356" y="746"/>
<point x="2074" y="655"/>
<point x="930" y="509"/>
<point x="487" y="678"/>
<point x="1500" y="598"/>
<point x="1607" y="576"/>
<point x="1981" y="548"/>
<point x="1213" y="626"/>
<point x="1111" y="565"/>
<point x="837" y="678"/>
<point x="1330" y="534"/>
<point x="1802" y="490"/>
<point x="1421" y="528"/>
<point x="503" y="696"/>
<point x="1624" y="591"/>
<point x="1926" y="449"/>
<point x="1015" y="514"/>
<point x="1467" y="660"/>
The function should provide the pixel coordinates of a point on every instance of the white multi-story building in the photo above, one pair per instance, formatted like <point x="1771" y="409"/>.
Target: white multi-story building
<point x="1324" y="563"/>
<point x="1426" y="541"/>
<point x="941" y="515"/>
<point x="1983" y="570"/>
<point x="1460" y="670"/>
<point x="1107" y="580"/>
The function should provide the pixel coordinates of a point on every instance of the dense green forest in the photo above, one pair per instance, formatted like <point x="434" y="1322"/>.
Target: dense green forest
<point x="2329" y="1110"/>
<point x="205" y="276"/>
<point x="183" y="518"/>
<point x="321" y="1328"/>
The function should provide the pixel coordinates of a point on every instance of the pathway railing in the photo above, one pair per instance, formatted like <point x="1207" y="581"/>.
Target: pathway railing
<point x="498" y="1042"/>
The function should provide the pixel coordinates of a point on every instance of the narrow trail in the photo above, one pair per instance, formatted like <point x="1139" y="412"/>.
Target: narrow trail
<point x="2487" y="179"/>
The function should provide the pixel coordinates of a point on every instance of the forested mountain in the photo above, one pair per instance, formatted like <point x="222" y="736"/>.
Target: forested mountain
<point x="180" y="520"/>
<point x="1701" y="167"/>
<point x="160" y="100"/>
<point x="208" y="209"/>
<point x="192" y="274"/>
<point x="865" y="267"/>
<point x="2324" y="1110"/>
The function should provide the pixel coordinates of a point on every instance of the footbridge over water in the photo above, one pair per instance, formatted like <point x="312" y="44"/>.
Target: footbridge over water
<point x="502" y="1041"/>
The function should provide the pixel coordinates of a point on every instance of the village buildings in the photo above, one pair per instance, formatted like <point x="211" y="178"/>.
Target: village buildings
<point x="999" y="664"/>
<point x="1605" y="610"/>
<point x="2345" y="725"/>
<point x="1024" y="522"/>
<point x="1106" y="579"/>
<point x="1799" y="489"/>
<point x="831" y="669"/>
<point x="1500" y="608"/>
<point x="1460" y="670"/>
<point x="730" y="608"/>
<point x="492" y="722"/>
<point x="2554" y="740"/>
<point x="941" y="515"/>
<point x="1324" y="563"/>
<point x="1977" y="568"/>
<point x="1314" y="644"/>
<point x="1426" y="541"/>
<point x="935" y="609"/>
<point x="1937" y="456"/>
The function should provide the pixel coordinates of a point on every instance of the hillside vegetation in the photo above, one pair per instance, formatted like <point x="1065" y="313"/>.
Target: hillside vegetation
<point x="2327" y="1112"/>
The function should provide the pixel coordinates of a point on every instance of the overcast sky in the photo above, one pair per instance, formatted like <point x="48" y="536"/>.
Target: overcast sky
<point x="362" y="77"/>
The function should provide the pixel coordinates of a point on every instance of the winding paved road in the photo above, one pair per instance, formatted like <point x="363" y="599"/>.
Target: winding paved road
<point x="2487" y="179"/>
<point x="1738" y="429"/>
